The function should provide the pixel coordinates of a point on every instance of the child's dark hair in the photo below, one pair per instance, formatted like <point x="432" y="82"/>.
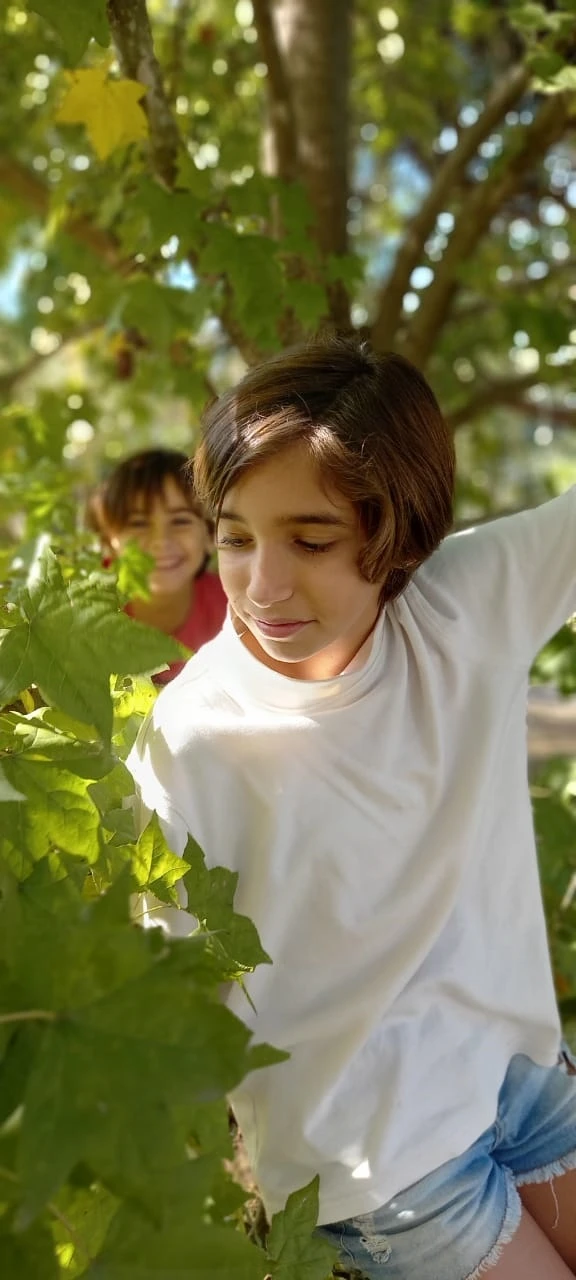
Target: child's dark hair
<point x="373" y="426"/>
<point x="141" y="476"/>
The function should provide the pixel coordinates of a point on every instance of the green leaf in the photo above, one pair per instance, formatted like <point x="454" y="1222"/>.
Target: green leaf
<point x="251" y="266"/>
<point x="156" y="869"/>
<point x="345" y="267"/>
<point x="110" y="793"/>
<point x="28" y="1256"/>
<point x="167" y="214"/>
<point x="85" y="1102"/>
<point x="211" y="900"/>
<point x="46" y="734"/>
<point x="7" y="791"/>
<point x="159" y="312"/>
<point x="295" y="1252"/>
<point x="309" y="302"/>
<point x="561" y="82"/>
<point x="59" y="813"/>
<point x="87" y="1211"/>
<point x="75" y="675"/>
<point x="185" y="1250"/>
<point x="298" y="218"/>
<point x="133" y="568"/>
<point x="76" y="23"/>
<point x="184" y="1201"/>
<point x="139" y="1041"/>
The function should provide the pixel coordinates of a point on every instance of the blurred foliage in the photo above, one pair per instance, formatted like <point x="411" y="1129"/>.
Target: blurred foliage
<point x="149" y="250"/>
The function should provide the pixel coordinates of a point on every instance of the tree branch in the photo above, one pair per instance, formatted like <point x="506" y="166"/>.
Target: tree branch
<point x="555" y="415"/>
<point x="507" y="395"/>
<point x="473" y="221"/>
<point x="33" y="192"/>
<point x="280" y="143"/>
<point x="132" y="35"/>
<point x="420" y="228"/>
<point x="504" y="391"/>
<point x="9" y="381"/>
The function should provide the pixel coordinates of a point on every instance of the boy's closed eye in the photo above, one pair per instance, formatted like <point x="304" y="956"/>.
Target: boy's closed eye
<point x="236" y="542"/>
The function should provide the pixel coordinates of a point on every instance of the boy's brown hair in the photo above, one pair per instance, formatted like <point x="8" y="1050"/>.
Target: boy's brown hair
<point x="373" y="427"/>
<point x="141" y="476"/>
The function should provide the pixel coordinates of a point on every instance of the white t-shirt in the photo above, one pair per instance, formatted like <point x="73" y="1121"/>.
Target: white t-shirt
<point x="381" y="825"/>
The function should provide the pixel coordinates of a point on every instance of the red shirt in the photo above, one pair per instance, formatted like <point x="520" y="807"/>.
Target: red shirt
<point x="204" y="621"/>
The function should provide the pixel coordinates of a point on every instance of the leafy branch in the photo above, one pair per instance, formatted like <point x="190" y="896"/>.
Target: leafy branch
<point x="445" y="184"/>
<point x="475" y="215"/>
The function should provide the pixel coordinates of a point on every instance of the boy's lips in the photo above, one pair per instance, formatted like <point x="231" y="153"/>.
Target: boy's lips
<point x="280" y="627"/>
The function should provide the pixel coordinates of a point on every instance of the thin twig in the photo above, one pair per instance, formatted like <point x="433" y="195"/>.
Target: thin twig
<point x="29" y="1015"/>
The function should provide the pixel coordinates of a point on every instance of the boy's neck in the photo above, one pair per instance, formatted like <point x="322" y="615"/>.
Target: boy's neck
<point x="325" y="665"/>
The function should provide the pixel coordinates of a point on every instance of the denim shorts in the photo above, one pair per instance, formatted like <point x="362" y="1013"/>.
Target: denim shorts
<point x="453" y="1224"/>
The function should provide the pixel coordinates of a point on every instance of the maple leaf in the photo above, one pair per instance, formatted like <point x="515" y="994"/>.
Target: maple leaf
<point x="109" y="109"/>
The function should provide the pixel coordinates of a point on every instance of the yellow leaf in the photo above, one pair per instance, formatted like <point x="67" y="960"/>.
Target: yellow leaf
<point x="110" y="109"/>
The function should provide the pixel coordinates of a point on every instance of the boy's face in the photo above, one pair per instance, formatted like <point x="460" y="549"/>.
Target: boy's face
<point x="288" y="556"/>
<point x="170" y="532"/>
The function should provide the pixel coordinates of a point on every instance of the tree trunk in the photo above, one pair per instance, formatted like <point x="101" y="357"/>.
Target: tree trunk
<point x="314" y="37"/>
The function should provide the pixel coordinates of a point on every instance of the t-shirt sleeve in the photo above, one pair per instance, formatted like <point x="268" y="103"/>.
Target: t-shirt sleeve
<point x="511" y="582"/>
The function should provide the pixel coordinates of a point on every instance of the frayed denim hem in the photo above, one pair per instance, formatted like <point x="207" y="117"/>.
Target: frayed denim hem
<point x="546" y="1175"/>
<point x="548" y="1172"/>
<point x="510" y="1224"/>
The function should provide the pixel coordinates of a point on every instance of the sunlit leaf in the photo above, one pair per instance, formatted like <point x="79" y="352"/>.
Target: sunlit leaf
<point x="109" y="109"/>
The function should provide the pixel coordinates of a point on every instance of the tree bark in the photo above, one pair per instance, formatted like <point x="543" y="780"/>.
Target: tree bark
<point x="132" y="35"/>
<point x="314" y="40"/>
<point x="280" y="143"/>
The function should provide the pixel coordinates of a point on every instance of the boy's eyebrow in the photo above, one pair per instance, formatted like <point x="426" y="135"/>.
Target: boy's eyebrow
<point x="304" y="517"/>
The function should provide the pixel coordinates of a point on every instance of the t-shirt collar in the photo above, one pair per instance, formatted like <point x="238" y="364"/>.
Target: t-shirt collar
<point x="250" y="682"/>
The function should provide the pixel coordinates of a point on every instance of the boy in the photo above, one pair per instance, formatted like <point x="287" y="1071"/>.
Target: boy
<point x="353" y="743"/>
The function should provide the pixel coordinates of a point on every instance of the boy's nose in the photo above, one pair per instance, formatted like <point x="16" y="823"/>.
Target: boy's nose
<point x="270" y="582"/>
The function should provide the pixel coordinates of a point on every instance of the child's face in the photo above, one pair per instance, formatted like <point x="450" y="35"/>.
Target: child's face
<point x="172" y="534"/>
<point x="288" y="556"/>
